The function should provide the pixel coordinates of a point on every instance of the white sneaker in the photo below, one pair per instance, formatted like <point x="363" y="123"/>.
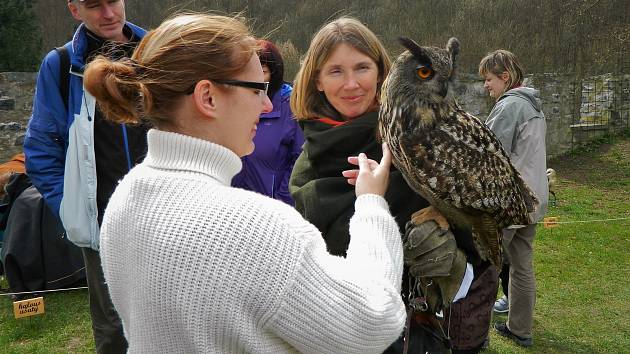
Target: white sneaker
<point x="501" y="305"/>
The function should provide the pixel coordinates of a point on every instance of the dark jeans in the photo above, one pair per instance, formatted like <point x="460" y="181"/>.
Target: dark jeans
<point x="106" y="325"/>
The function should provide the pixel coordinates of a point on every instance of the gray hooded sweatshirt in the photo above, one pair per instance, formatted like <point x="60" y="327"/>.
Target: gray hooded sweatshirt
<point x="519" y="123"/>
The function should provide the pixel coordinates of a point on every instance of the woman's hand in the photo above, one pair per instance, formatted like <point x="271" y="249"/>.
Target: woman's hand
<point x="371" y="177"/>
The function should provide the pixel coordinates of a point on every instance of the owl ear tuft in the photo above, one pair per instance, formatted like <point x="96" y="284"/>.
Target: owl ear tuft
<point x="415" y="50"/>
<point x="453" y="48"/>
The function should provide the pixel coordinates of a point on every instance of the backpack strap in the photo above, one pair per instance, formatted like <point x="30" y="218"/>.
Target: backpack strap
<point x="64" y="73"/>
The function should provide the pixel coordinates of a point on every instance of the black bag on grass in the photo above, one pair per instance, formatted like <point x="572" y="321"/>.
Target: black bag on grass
<point x="36" y="253"/>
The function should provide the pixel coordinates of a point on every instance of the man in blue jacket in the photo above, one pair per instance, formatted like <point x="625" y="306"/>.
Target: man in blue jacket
<point x="75" y="157"/>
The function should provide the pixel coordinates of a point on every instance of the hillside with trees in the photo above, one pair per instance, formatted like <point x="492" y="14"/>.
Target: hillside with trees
<point x="581" y="36"/>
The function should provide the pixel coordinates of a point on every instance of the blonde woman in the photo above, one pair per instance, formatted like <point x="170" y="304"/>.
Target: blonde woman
<point x="336" y="100"/>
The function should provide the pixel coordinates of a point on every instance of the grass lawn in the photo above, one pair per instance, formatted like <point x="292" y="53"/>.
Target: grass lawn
<point x="583" y="300"/>
<point x="583" y="303"/>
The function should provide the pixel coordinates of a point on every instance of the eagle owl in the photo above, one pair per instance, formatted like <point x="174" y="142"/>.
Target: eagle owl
<point x="446" y="155"/>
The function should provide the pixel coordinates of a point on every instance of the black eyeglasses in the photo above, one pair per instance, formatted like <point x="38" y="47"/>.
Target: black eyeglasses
<point x="262" y="86"/>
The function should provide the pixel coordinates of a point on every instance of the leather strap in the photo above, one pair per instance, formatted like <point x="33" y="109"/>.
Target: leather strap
<point x="64" y="74"/>
<point x="407" y="325"/>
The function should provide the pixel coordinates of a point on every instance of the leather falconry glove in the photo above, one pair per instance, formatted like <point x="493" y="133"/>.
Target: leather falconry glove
<point x="433" y="258"/>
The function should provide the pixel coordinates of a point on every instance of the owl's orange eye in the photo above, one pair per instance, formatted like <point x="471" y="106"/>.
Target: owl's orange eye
<point x="424" y="72"/>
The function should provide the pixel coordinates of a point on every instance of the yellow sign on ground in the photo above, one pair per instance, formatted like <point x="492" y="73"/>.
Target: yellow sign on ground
<point x="549" y="222"/>
<point x="28" y="307"/>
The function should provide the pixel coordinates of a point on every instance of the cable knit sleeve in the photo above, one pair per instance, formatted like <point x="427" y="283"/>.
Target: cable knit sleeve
<point x="350" y="305"/>
<point x="370" y="243"/>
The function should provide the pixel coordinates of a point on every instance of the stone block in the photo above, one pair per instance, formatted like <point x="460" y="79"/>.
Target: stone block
<point x="555" y="110"/>
<point x="555" y="97"/>
<point x="19" y="77"/>
<point x="7" y="103"/>
<point x="11" y="126"/>
<point x="19" y="140"/>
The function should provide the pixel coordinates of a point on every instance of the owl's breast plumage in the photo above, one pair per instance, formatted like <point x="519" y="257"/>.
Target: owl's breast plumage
<point x="454" y="162"/>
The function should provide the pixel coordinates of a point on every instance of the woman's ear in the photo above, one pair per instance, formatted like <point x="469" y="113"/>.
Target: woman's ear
<point x="205" y="98"/>
<point x="505" y="76"/>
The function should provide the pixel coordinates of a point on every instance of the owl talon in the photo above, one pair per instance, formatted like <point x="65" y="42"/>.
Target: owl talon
<point x="430" y="213"/>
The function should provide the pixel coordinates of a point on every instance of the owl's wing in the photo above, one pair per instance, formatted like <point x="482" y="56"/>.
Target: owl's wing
<point x="466" y="167"/>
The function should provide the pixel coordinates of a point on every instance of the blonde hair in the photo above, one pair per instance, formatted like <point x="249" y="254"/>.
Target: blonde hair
<point x="501" y="61"/>
<point x="166" y="64"/>
<point x="306" y="101"/>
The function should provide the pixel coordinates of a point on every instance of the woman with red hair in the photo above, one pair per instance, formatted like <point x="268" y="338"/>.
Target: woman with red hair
<point x="278" y="138"/>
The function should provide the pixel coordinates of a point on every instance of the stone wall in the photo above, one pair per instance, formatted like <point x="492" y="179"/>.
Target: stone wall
<point x="16" y="100"/>
<point x="603" y="103"/>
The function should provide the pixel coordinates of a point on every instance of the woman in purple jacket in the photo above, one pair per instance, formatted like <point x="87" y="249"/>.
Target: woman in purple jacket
<point x="278" y="138"/>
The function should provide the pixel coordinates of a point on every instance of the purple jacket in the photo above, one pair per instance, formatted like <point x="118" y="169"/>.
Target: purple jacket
<point x="278" y="143"/>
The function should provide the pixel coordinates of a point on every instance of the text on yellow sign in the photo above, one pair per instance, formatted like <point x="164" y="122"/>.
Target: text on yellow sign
<point x="28" y="307"/>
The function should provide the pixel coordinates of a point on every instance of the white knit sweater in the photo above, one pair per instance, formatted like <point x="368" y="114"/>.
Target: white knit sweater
<point x="196" y="266"/>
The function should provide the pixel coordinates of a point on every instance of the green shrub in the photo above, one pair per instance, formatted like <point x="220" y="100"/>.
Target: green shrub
<point x="20" y="38"/>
